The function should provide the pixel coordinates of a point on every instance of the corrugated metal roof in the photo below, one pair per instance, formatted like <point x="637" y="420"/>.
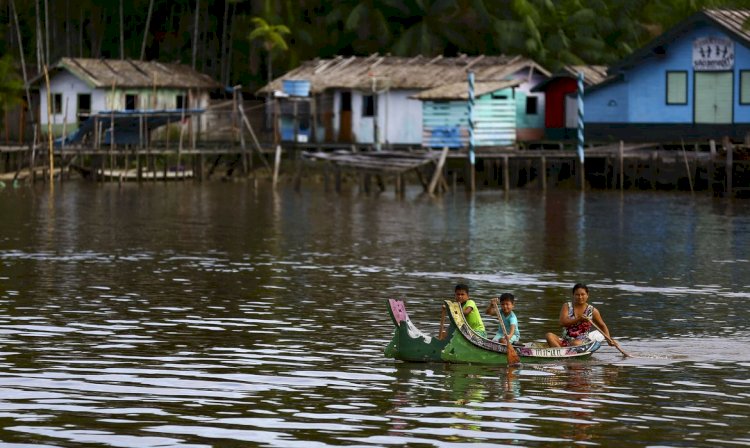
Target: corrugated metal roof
<point x="730" y="20"/>
<point x="592" y="75"/>
<point x="417" y="73"/>
<point x="460" y="90"/>
<point x="130" y="73"/>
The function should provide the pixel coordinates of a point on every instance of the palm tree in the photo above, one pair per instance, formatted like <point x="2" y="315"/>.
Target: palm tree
<point x="272" y="37"/>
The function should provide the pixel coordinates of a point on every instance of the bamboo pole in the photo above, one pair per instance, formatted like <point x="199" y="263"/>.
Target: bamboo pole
<point x="62" y="143"/>
<point x="49" y="128"/>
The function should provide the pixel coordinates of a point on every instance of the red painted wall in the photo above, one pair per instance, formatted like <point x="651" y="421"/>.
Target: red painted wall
<point x="554" y="112"/>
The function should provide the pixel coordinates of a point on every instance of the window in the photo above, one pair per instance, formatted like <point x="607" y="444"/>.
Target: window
<point x="131" y="102"/>
<point x="180" y="102"/>
<point x="744" y="86"/>
<point x="368" y="106"/>
<point x="531" y="105"/>
<point x="677" y="87"/>
<point x="57" y="103"/>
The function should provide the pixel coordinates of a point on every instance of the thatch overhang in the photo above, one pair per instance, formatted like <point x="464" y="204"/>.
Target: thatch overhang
<point x="127" y="73"/>
<point x="459" y="91"/>
<point x="380" y="72"/>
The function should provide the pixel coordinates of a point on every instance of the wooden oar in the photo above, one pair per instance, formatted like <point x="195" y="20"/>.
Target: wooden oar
<point x="611" y="341"/>
<point x="441" y="333"/>
<point x="512" y="356"/>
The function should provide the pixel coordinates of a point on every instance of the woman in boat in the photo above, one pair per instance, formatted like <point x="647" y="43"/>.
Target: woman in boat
<point x="470" y="310"/>
<point x="576" y="319"/>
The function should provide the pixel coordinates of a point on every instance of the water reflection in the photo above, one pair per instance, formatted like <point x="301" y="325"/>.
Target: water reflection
<point x="227" y="314"/>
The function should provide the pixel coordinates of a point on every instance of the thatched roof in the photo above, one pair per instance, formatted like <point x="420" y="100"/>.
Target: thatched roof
<point x="128" y="73"/>
<point x="460" y="90"/>
<point x="416" y="73"/>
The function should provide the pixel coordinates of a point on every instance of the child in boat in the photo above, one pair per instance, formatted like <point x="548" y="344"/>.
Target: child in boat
<point x="473" y="318"/>
<point x="576" y="317"/>
<point x="506" y="304"/>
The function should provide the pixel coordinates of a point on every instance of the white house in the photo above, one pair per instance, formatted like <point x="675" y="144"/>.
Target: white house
<point x="82" y="88"/>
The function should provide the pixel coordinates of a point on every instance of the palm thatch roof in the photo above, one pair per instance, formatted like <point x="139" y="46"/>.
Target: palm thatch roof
<point x="460" y="90"/>
<point x="103" y="73"/>
<point x="392" y="72"/>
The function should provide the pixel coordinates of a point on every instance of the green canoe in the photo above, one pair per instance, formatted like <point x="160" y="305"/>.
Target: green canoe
<point x="461" y="344"/>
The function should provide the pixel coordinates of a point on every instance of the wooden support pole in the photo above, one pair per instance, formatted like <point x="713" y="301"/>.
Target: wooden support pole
<point x="687" y="166"/>
<point x="622" y="165"/>
<point x="276" y="163"/>
<point x="729" y="165"/>
<point x="711" y="164"/>
<point x="581" y="174"/>
<point x="506" y="174"/>
<point x="298" y="175"/>
<point x="543" y="173"/>
<point x="438" y="173"/>
<point x="337" y="180"/>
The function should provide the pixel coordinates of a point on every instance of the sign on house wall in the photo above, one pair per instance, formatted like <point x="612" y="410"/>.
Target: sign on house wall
<point x="713" y="54"/>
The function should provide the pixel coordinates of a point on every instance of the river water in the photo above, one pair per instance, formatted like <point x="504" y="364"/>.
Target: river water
<point x="227" y="314"/>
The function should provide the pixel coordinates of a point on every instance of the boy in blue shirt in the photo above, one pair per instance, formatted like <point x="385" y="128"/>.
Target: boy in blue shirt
<point x="506" y="304"/>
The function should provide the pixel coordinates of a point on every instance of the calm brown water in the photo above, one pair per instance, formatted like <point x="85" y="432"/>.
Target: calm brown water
<point x="186" y="315"/>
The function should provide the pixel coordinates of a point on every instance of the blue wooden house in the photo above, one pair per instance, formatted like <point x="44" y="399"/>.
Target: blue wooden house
<point x="445" y="114"/>
<point x="690" y="83"/>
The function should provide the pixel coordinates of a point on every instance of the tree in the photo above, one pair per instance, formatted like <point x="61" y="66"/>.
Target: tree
<point x="272" y="37"/>
<point x="11" y="86"/>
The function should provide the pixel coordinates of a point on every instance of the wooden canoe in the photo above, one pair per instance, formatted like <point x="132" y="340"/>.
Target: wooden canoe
<point x="462" y="345"/>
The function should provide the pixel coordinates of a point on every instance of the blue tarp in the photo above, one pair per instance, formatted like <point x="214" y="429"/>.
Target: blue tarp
<point x="126" y="125"/>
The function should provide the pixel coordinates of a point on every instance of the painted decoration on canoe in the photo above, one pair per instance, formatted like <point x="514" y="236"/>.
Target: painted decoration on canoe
<point x="713" y="54"/>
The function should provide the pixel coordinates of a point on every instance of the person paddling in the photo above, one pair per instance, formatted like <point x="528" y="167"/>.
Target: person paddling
<point x="470" y="310"/>
<point x="505" y="304"/>
<point x="576" y="319"/>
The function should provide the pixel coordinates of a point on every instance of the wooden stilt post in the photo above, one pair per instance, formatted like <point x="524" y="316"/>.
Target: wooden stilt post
<point x="276" y="163"/>
<point x="622" y="164"/>
<point x="729" y="165"/>
<point x="438" y="173"/>
<point x="711" y="164"/>
<point x="338" y="178"/>
<point x="543" y="173"/>
<point x="506" y="174"/>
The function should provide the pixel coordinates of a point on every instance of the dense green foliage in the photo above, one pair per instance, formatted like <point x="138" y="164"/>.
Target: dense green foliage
<point x="553" y="32"/>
